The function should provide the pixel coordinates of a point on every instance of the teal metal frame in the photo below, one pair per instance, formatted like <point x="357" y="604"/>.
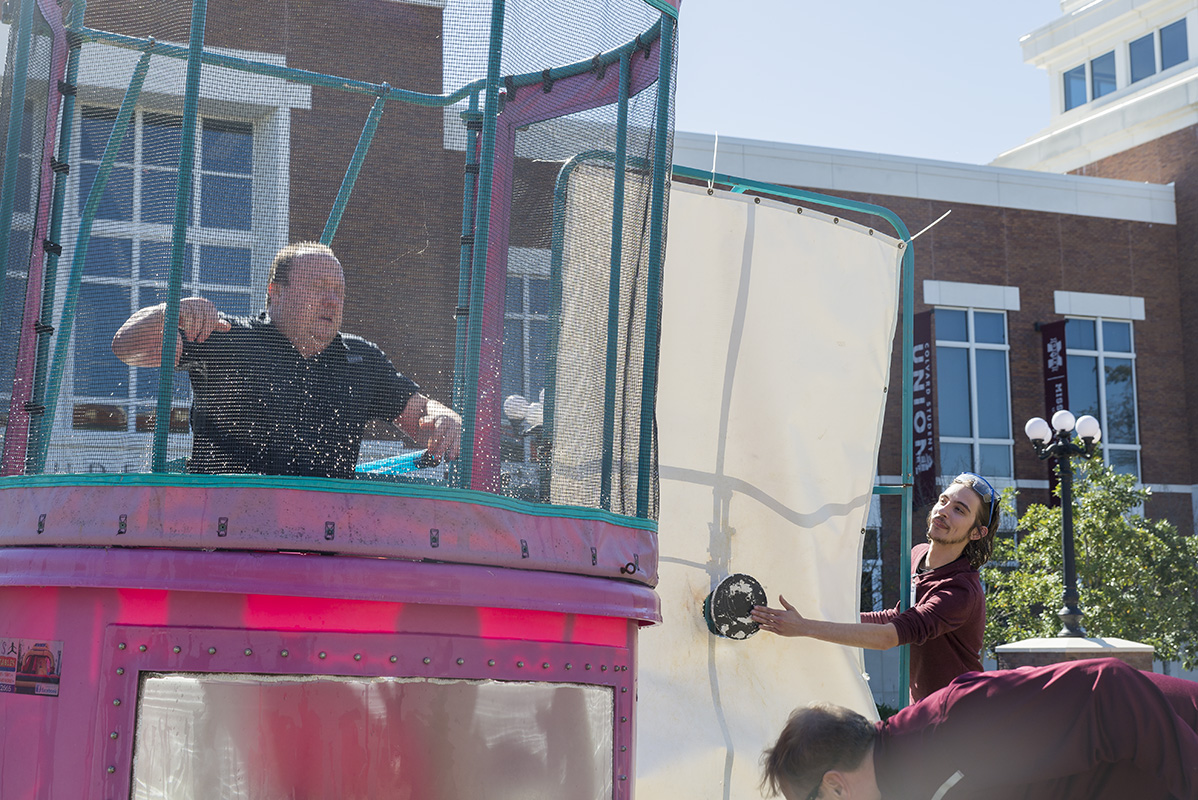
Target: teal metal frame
<point x="905" y="490"/>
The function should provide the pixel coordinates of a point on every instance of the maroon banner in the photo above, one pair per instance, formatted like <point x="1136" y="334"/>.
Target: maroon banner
<point x="923" y="415"/>
<point x="1056" y="385"/>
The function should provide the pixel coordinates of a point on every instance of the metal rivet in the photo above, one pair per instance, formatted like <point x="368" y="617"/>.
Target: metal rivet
<point x="835" y="220"/>
<point x="177" y="649"/>
<point x="394" y="659"/>
<point x="357" y="656"/>
<point x="623" y="719"/>
<point x="427" y="660"/>
<point x="120" y="646"/>
<point x="111" y="770"/>
<point x="569" y="665"/>
<point x="871" y="231"/>
<point x="322" y="654"/>
<point x="330" y="530"/>
<point x="249" y="652"/>
<point x="623" y="748"/>
<point x="461" y="661"/>
<point x="545" y="665"/>
<point x="623" y="777"/>
<point x="141" y="647"/>
<point x="603" y="668"/>
<point x="757" y="200"/>
<point x="112" y="735"/>
<point x="284" y="653"/>
<point x="211" y="651"/>
<point x="519" y="663"/>
<point x="588" y="666"/>
<point x="623" y="689"/>
<point x="490" y="662"/>
<point x="799" y="210"/>
<point x="120" y="670"/>
<point x="116" y="702"/>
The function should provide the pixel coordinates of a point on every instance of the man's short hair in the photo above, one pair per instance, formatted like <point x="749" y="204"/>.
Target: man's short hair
<point x="280" y="268"/>
<point x="816" y="739"/>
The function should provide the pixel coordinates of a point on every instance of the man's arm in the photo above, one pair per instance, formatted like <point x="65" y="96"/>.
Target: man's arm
<point x="787" y="621"/>
<point x="139" y="341"/>
<point x="435" y="424"/>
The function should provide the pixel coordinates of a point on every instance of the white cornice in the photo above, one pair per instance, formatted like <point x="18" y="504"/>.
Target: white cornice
<point x="830" y="170"/>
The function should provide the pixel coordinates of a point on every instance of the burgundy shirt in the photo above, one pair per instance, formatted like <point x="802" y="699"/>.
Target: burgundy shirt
<point x="1083" y="730"/>
<point x="944" y="625"/>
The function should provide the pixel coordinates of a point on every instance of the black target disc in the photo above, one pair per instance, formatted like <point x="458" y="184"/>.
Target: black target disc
<point x="727" y="608"/>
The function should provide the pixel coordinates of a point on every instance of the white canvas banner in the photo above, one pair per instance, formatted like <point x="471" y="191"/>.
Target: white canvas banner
<point x="777" y="331"/>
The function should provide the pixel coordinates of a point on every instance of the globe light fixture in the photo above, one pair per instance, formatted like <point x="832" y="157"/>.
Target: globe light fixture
<point x="1058" y="443"/>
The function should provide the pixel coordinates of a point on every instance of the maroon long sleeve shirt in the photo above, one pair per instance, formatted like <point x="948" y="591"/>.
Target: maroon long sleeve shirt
<point x="1083" y="730"/>
<point x="944" y="625"/>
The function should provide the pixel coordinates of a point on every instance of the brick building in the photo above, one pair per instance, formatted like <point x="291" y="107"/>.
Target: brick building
<point x="1091" y="222"/>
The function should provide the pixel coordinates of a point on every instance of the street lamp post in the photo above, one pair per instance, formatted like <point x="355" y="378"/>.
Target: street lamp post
<point x="1056" y="441"/>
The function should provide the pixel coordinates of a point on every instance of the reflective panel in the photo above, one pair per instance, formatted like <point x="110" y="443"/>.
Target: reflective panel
<point x="258" y="736"/>
<point x="1075" y="87"/>
<point x="994" y="412"/>
<point x="1102" y="74"/>
<point x="989" y="328"/>
<point x="1083" y="385"/>
<point x="1079" y="334"/>
<point x="1120" y="402"/>
<point x="955" y="458"/>
<point x="995" y="460"/>
<point x="951" y="325"/>
<point x="1142" y="54"/>
<point x="1174" y="47"/>
<point x="952" y="391"/>
<point x="1116" y="336"/>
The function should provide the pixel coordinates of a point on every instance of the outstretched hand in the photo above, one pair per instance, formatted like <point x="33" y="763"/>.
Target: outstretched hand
<point x="785" y="621"/>
<point x="442" y="428"/>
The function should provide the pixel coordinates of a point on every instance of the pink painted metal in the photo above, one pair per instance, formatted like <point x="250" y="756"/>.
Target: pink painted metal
<point x="257" y="513"/>
<point x="529" y="105"/>
<point x="79" y="744"/>
<point x="16" y="434"/>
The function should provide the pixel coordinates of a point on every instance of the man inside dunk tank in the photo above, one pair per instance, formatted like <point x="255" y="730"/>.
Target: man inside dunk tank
<point x="287" y="392"/>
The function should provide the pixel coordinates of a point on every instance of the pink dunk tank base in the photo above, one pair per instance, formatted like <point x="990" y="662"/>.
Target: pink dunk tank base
<point x="272" y="514"/>
<point x="245" y="675"/>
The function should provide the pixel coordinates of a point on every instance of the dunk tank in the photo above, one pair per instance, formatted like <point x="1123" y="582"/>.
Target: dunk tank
<point x="494" y="177"/>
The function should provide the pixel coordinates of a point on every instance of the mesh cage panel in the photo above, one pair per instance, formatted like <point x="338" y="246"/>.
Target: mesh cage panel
<point x="368" y="150"/>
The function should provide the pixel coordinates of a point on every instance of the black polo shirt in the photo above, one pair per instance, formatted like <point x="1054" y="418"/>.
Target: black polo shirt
<point x="261" y="407"/>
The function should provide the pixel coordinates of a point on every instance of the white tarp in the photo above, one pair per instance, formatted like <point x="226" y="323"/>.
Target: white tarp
<point x="775" y="355"/>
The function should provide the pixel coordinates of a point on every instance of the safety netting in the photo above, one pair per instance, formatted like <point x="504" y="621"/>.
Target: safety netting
<point x="490" y="179"/>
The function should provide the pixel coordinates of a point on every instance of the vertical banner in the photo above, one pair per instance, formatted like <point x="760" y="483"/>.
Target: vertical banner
<point x="923" y="413"/>
<point x="1056" y="384"/>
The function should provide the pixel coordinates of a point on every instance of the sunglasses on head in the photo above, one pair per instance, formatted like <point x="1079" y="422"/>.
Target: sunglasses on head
<point x="988" y="494"/>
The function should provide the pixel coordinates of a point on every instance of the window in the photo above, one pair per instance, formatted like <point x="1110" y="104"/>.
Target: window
<point x="1102" y="75"/>
<point x="525" y="353"/>
<point x="973" y="392"/>
<point x="128" y="261"/>
<point x="1142" y="54"/>
<point x="1102" y="381"/>
<point x="1075" y="87"/>
<point x="1174" y="48"/>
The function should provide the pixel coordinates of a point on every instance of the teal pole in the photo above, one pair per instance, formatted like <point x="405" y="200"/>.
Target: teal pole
<point x="35" y="462"/>
<point x="613" y="290"/>
<point x="82" y="239"/>
<point x="908" y="457"/>
<point x="12" y="147"/>
<point x="472" y="119"/>
<point x="170" y="325"/>
<point x="355" y="166"/>
<point x="482" y="235"/>
<point x="657" y="224"/>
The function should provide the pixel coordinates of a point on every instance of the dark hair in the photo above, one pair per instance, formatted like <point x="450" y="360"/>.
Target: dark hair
<point x="280" y="268"/>
<point x="816" y="739"/>
<point x="978" y="550"/>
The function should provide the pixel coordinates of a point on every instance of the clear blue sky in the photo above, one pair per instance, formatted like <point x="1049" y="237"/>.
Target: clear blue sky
<point x="941" y="79"/>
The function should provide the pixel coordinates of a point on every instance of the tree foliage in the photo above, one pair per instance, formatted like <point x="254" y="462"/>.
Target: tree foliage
<point x="1137" y="578"/>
